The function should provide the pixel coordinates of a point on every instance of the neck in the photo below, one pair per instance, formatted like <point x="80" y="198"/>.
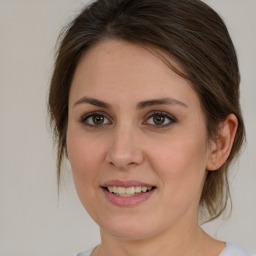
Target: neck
<point x="188" y="240"/>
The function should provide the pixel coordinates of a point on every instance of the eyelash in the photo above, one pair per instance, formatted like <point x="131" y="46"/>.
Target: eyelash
<point x="94" y="114"/>
<point x="161" y="114"/>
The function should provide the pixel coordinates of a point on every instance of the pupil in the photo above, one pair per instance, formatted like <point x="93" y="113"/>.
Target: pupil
<point x="159" y="119"/>
<point x="98" y="119"/>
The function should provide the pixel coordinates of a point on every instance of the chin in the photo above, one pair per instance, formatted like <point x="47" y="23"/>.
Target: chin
<point x="130" y="227"/>
<point x="126" y="233"/>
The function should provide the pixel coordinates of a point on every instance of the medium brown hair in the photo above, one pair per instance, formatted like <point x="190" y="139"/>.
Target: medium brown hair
<point x="188" y="31"/>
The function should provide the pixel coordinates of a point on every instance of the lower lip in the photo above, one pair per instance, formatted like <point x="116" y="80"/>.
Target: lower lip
<point x="128" y="200"/>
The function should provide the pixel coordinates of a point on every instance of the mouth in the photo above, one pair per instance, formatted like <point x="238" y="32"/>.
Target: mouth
<point x="128" y="191"/>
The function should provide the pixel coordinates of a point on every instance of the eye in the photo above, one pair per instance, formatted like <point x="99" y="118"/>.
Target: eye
<point x="160" y="119"/>
<point x="95" y="119"/>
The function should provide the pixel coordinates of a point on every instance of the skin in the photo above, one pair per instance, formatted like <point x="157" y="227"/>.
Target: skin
<point x="130" y="146"/>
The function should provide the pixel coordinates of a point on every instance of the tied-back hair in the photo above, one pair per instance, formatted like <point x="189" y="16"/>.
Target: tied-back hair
<point x="187" y="31"/>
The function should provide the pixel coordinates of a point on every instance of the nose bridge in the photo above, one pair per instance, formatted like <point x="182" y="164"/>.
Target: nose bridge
<point x="124" y="150"/>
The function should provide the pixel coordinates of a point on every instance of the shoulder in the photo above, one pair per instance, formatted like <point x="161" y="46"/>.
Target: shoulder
<point x="85" y="253"/>
<point x="234" y="250"/>
<point x="230" y="250"/>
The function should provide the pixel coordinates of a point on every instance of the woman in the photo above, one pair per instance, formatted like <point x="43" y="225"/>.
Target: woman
<point x="144" y="99"/>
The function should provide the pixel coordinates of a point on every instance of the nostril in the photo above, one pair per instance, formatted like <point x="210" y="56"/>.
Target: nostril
<point x="125" y="157"/>
<point x="132" y="164"/>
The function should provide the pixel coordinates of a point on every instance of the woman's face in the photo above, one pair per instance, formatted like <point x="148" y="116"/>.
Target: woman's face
<point x="134" y="126"/>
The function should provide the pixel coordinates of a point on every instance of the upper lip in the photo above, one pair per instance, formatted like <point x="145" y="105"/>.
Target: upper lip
<point x="126" y="184"/>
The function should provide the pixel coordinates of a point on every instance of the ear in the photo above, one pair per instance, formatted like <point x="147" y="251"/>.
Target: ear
<point x="221" y="147"/>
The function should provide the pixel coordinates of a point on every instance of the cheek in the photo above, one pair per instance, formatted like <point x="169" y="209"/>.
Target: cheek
<point x="82" y="150"/>
<point x="84" y="156"/>
<point x="180" y="164"/>
<point x="180" y="154"/>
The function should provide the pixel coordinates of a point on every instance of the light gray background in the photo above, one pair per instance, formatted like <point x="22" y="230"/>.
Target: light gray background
<point x="33" y="221"/>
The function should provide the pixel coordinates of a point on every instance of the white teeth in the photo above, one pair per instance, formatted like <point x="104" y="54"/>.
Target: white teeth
<point x="137" y="189"/>
<point x="122" y="191"/>
<point x="130" y="191"/>
<point x="144" y="189"/>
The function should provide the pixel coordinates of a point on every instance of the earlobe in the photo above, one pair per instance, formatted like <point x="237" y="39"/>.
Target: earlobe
<point x="220" y="149"/>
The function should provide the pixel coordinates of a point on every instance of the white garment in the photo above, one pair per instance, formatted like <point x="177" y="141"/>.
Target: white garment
<point x="86" y="253"/>
<point x="233" y="250"/>
<point x="230" y="250"/>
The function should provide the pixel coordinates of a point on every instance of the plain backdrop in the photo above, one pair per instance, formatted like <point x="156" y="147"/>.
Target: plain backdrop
<point x="33" y="220"/>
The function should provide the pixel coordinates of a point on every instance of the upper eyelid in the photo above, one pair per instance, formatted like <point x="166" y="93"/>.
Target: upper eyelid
<point x="160" y="112"/>
<point x="89" y="114"/>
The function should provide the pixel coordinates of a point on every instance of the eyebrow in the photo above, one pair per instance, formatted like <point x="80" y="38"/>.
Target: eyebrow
<point x="92" y="101"/>
<point x="161" y="101"/>
<point x="140" y="105"/>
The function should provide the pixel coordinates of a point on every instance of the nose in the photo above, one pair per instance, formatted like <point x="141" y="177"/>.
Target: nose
<point x="125" y="150"/>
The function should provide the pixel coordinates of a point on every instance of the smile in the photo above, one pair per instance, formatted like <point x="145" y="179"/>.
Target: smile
<point x="130" y="191"/>
<point x="127" y="193"/>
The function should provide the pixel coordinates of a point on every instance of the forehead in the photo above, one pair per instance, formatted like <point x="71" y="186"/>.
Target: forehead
<point x="115" y="68"/>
